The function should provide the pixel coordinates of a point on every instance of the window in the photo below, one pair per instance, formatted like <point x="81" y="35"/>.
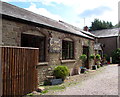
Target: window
<point x="67" y="49"/>
<point x="34" y="41"/>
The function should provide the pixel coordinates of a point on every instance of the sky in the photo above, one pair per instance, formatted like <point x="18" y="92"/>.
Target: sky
<point x="79" y="13"/>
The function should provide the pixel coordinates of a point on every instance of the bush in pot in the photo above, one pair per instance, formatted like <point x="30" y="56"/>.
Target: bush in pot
<point x="92" y="57"/>
<point x="61" y="72"/>
<point x="98" y="58"/>
<point x="83" y="57"/>
<point x="103" y="60"/>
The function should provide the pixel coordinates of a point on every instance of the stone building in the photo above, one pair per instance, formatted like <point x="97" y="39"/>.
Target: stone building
<point x="59" y="43"/>
<point x="108" y="39"/>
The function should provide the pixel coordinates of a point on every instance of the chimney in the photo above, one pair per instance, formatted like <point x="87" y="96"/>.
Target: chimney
<point x="85" y="28"/>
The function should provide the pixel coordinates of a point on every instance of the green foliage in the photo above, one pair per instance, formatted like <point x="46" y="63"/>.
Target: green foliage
<point x="116" y="56"/>
<point x="30" y="94"/>
<point x="117" y="25"/>
<point x="45" y="91"/>
<point x="105" y="56"/>
<point x="83" y="57"/>
<point x="99" y="25"/>
<point x="61" y="72"/>
<point x="97" y="56"/>
<point x="92" y="56"/>
<point x="57" y="87"/>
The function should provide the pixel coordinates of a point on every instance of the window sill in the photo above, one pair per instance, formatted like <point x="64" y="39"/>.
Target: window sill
<point x="42" y="64"/>
<point x="68" y="61"/>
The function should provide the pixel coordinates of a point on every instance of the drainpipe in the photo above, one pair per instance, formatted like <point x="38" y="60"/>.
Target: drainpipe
<point x="118" y="39"/>
<point x="96" y="41"/>
<point x="119" y="46"/>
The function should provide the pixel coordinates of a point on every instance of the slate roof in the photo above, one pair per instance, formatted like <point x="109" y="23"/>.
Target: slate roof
<point x="106" y="32"/>
<point x="77" y="29"/>
<point x="20" y="13"/>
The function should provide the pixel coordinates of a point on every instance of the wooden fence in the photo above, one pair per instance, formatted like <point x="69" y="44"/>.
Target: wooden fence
<point x="19" y="74"/>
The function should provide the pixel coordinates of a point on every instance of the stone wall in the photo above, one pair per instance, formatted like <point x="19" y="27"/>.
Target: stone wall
<point x="12" y="37"/>
<point x="110" y="44"/>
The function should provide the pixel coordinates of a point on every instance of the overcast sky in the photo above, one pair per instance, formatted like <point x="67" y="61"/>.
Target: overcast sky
<point x="75" y="12"/>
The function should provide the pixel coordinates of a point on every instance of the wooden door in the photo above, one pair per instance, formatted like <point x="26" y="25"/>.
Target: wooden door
<point x="86" y="51"/>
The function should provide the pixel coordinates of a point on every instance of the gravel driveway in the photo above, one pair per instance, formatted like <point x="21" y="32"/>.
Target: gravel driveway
<point x="104" y="83"/>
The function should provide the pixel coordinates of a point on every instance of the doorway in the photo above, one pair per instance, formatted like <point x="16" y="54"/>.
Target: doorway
<point x="28" y="40"/>
<point x="86" y="52"/>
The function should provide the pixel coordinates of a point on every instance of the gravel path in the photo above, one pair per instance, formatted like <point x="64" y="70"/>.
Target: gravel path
<point x="104" y="83"/>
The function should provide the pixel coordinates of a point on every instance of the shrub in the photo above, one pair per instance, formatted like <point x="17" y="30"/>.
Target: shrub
<point x="116" y="56"/>
<point x="92" y="56"/>
<point x="61" y="72"/>
<point x="97" y="56"/>
<point x="105" y="56"/>
<point x="83" y="57"/>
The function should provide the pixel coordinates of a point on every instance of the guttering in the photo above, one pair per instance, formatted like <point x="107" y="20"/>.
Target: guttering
<point x="118" y="39"/>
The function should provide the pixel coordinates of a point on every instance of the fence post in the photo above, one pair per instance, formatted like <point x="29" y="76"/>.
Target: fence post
<point x="1" y="87"/>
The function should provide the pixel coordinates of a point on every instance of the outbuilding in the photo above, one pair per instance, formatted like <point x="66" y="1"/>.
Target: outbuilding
<point x="59" y="43"/>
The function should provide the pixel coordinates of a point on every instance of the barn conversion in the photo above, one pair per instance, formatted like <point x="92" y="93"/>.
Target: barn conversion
<point x="59" y="43"/>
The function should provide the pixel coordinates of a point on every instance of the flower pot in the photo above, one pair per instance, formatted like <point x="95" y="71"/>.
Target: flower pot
<point x="101" y="65"/>
<point x="83" y="70"/>
<point x="98" y="66"/>
<point x="94" y="67"/>
<point x="56" y="81"/>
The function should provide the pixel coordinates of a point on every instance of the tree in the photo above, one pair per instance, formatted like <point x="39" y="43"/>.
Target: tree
<point x="99" y="25"/>
<point x="117" y="25"/>
<point x="116" y="56"/>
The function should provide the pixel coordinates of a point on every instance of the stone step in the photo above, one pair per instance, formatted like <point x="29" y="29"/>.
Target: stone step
<point x="50" y="77"/>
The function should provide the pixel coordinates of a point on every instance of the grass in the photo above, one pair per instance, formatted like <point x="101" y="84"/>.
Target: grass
<point x="61" y="87"/>
<point x="43" y="92"/>
<point x="30" y="94"/>
<point x="72" y="81"/>
<point x="86" y="72"/>
<point x="56" y="87"/>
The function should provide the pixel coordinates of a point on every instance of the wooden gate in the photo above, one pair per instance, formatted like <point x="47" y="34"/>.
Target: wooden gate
<point x="19" y="74"/>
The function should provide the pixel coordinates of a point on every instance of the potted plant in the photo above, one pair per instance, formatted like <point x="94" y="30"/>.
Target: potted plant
<point x="61" y="72"/>
<point x="92" y="57"/>
<point x="103" y="60"/>
<point x="98" y="57"/>
<point x="83" y="69"/>
<point x="83" y="57"/>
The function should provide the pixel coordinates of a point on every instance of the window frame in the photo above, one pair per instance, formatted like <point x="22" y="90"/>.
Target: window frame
<point x="35" y="39"/>
<point x="67" y="50"/>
